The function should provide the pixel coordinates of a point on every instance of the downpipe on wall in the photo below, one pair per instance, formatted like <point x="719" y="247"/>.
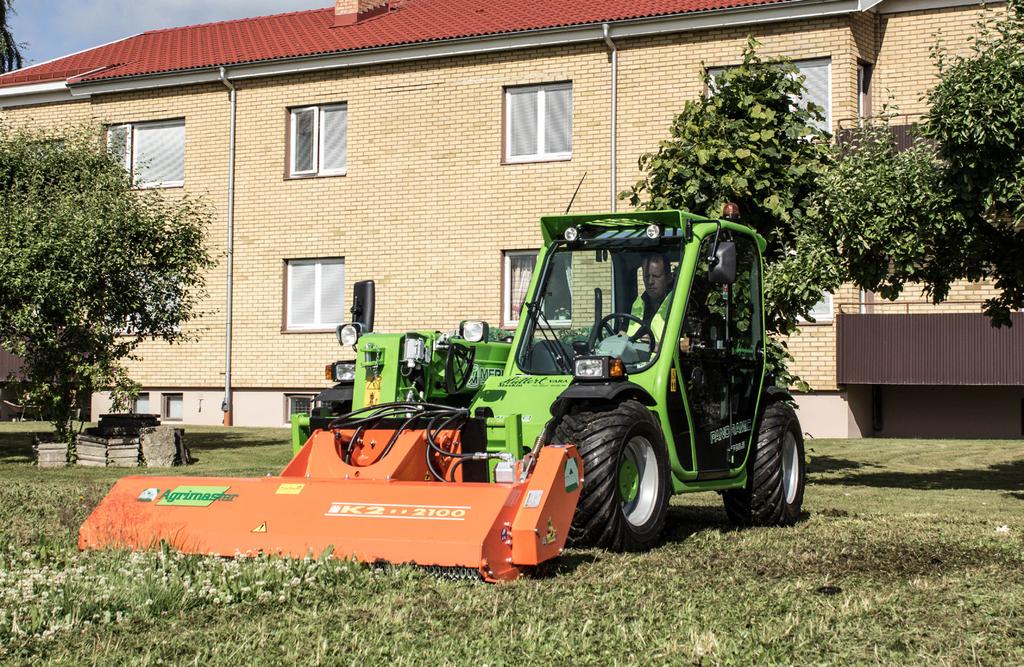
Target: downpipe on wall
<point x="613" y="56"/>
<point x="227" y="404"/>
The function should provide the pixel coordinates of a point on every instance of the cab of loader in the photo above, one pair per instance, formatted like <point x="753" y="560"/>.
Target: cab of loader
<point x="642" y="342"/>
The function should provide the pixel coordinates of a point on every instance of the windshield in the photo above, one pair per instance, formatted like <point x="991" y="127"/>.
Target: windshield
<point x="589" y="301"/>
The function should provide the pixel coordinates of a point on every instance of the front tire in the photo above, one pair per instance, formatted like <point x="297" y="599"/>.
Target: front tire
<point x="776" y="473"/>
<point x="626" y="486"/>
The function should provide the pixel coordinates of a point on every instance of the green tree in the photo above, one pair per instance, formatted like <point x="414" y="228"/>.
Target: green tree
<point x="89" y="268"/>
<point x="952" y="207"/>
<point x="10" y="53"/>
<point x="752" y="142"/>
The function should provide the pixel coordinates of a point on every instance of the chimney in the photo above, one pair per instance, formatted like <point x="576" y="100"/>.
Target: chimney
<point x="347" y="12"/>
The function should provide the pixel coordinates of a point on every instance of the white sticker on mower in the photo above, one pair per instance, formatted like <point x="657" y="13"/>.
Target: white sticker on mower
<point x="533" y="499"/>
<point x="396" y="511"/>
<point x="572" y="475"/>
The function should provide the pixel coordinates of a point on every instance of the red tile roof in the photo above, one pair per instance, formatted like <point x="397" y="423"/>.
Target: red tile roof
<point x="311" y="33"/>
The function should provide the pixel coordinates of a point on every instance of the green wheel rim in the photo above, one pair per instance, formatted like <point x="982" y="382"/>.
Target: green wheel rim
<point x="629" y="480"/>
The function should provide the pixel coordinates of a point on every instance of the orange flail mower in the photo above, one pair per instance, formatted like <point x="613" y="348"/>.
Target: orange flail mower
<point x="395" y="495"/>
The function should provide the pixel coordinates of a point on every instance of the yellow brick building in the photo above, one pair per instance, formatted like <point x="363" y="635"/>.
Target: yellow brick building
<point x="385" y="141"/>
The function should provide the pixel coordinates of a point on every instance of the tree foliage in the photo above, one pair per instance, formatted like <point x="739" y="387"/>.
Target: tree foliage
<point x="89" y="267"/>
<point x="952" y="207"/>
<point x="752" y="141"/>
<point x="10" y="51"/>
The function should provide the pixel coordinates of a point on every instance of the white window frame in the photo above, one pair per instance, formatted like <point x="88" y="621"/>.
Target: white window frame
<point x="317" y="324"/>
<point x="149" y="403"/>
<point x="541" y="90"/>
<point x="165" y="406"/>
<point x="823" y="319"/>
<point x="131" y="157"/>
<point x="506" y="297"/>
<point x="318" y="141"/>
<point x="288" y="404"/>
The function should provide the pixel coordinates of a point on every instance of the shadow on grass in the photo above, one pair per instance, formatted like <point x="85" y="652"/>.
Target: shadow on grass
<point x="998" y="477"/>
<point x="16" y="447"/>
<point x="228" y="439"/>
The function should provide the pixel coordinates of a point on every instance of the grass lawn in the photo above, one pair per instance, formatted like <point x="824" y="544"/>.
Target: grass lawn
<point x="901" y="559"/>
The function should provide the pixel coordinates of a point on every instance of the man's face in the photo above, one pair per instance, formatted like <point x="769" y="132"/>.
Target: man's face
<point x="656" y="280"/>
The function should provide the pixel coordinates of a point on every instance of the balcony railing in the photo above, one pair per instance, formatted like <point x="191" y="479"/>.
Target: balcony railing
<point x="929" y="349"/>
<point x="905" y="128"/>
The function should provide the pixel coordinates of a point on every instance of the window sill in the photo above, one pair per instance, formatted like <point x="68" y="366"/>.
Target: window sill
<point x="285" y="330"/>
<point x="168" y="186"/>
<point x="310" y="177"/>
<point x="822" y="322"/>
<point x="532" y="159"/>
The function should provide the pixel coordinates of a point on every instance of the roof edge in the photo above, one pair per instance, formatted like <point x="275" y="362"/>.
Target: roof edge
<point x="23" y="95"/>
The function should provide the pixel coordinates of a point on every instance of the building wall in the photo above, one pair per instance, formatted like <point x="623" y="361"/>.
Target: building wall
<point x="427" y="206"/>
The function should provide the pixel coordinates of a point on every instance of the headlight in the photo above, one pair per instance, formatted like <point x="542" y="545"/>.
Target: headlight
<point x="572" y="233"/>
<point x="653" y="232"/>
<point x="599" y="368"/>
<point x="474" y="331"/>
<point x="591" y="367"/>
<point x="348" y="335"/>
<point x="344" y="371"/>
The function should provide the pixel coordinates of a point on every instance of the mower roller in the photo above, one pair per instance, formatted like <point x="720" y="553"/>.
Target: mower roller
<point x="637" y="370"/>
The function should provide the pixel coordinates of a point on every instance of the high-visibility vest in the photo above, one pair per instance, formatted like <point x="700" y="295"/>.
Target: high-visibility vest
<point x="657" y="323"/>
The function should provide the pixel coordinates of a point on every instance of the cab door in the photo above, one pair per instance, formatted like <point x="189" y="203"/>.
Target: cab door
<point x="720" y="359"/>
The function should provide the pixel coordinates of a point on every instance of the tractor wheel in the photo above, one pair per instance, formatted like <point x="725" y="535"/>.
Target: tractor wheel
<point x="626" y="486"/>
<point x="776" y="473"/>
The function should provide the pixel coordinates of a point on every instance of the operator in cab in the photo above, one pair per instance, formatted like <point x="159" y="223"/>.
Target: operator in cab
<point x="652" y="306"/>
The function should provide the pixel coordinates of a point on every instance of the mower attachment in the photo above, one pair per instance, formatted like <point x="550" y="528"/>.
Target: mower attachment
<point x="370" y="509"/>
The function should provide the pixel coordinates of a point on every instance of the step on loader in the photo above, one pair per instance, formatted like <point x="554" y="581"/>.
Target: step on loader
<point x="637" y="371"/>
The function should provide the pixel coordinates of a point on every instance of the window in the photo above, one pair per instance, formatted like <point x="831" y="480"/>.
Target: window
<point x="297" y="404"/>
<point x="817" y="75"/>
<point x="538" y="123"/>
<point x="153" y="153"/>
<point x="141" y="406"/>
<point x="315" y="293"/>
<point x="173" y="407"/>
<point x="518" y="272"/>
<point x="319" y="140"/>
<point x="822" y="311"/>
<point x="864" y="72"/>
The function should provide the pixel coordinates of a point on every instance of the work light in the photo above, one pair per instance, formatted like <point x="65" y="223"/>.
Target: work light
<point x="348" y="334"/>
<point x="474" y="331"/>
<point x="572" y="233"/>
<point x="653" y="232"/>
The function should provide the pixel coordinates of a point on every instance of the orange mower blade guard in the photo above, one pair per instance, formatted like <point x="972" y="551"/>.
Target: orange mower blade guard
<point x="381" y="509"/>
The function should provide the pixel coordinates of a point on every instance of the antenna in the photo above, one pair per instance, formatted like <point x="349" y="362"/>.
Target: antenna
<point x="575" y="193"/>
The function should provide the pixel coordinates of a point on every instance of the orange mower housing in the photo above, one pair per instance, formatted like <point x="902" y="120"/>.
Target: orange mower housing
<point x="383" y="505"/>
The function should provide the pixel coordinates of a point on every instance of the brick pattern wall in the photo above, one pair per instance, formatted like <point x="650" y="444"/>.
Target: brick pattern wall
<point x="427" y="206"/>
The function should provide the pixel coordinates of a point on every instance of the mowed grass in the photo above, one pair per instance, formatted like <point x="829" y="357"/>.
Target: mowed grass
<point x="911" y="553"/>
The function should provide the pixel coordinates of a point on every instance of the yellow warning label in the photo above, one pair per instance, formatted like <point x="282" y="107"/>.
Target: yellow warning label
<point x="552" y="534"/>
<point x="372" y="391"/>
<point x="262" y="528"/>
<point x="290" y="489"/>
<point x="673" y="384"/>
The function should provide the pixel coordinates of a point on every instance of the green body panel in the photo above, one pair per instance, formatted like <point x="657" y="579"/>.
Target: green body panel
<point x="517" y="405"/>
<point x="300" y="432"/>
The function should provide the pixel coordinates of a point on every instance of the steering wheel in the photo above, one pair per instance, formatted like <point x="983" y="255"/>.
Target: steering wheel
<point x="458" y="367"/>
<point x="605" y="326"/>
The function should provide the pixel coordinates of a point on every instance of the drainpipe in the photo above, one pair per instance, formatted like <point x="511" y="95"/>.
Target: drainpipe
<point x="226" y="404"/>
<point x="613" y="56"/>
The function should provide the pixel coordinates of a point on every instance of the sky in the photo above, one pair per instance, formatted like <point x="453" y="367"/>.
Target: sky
<point x="53" y="28"/>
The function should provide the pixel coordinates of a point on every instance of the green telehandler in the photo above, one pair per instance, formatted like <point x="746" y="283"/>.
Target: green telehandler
<point x="641" y="342"/>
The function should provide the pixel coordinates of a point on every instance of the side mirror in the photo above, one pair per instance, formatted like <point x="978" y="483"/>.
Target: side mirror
<point x="363" y="297"/>
<point x="722" y="269"/>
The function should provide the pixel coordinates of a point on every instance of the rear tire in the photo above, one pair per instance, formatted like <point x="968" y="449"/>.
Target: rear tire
<point x="776" y="473"/>
<point x="626" y="486"/>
